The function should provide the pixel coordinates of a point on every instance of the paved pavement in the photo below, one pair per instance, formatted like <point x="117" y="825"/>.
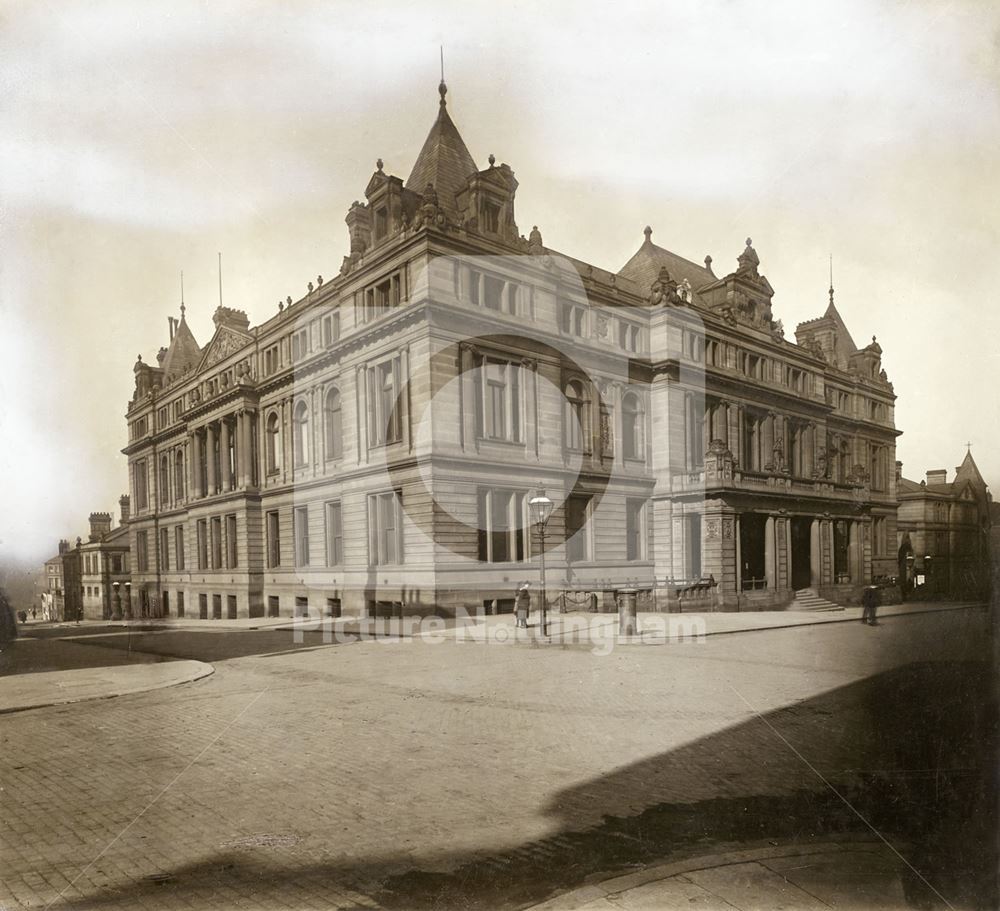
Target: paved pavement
<point x="862" y="875"/>
<point x="32" y="691"/>
<point x="419" y="775"/>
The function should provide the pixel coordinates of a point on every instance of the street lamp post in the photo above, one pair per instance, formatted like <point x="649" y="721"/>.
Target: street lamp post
<point x="541" y="508"/>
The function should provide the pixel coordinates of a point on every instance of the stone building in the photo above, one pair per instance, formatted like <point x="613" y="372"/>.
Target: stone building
<point x="943" y="535"/>
<point x="105" y="567"/>
<point x="374" y="444"/>
<point x="62" y="598"/>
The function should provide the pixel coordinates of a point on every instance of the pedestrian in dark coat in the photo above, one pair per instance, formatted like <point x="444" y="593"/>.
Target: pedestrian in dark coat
<point x="522" y="605"/>
<point x="869" y="601"/>
<point x="8" y="625"/>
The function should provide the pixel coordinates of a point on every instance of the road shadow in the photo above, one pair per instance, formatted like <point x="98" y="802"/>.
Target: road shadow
<point x="912" y="752"/>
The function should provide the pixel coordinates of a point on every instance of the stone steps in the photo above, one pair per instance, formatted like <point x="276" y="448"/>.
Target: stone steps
<point x="807" y="599"/>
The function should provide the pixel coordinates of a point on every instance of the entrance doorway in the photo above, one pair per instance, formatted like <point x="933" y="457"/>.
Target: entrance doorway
<point x="752" y="572"/>
<point x="801" y="552"/>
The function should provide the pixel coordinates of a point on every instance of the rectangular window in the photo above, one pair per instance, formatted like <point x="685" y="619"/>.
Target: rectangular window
<point x="117" y="563"/>
<point x="141" y="485"/>
<point x="635" y="529"/>
<point x="300" y="534"/>
<point x="202" y="543"/>
<point x="179" y="546"/>
<point x="164" y="549"/>
<point x="300" y="344"/>
<point x="180" y="604"/>
<point x="334" y="534"/>
<point x="142" y="551"/>
<point x="331" y="327"/>
<point x="216" y="542"/>
<point x="202" y="607"/>
<point x="577" y="549"/>
<point x="216" y="607"/>
<point x="273" y="606"/>
<point x="231" y="541"/>
<point x="385" y="423"/>
<point x="271" y="361"/>
<point x="231" y="607"/>
<point x="502" y="526"/>
<point x="493" y="292"/>
<point x="499" y="400"/>
<point x="273" y="539"/>
<point x="385" y="529"/>
<point x="878" y="537"/>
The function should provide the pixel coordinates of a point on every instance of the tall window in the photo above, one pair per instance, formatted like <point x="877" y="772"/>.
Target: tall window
<point x="141" y="485"/>
<point x="577" y="417"/>
<point x="273" y="540"/>
<point x="385" y="529"/>
<point x="300" y="534"/>
<point x="694" y="546"/>
<point x="694" y="432"/>
<point x="216" y="542"/>
<point x="164" y="548"/>
<point x="231" y="541"/>
<point x="384" y="421"/>
<point x="577" y="548"/>
<point x="750" y="456"/>
<point x="502" y="526"/>
<point x="632" y="438"/>
<point x="179" y="546"/>
<point x="333" y="424"/>
<point x="179" y="475"/>
<point x="331" y="327"/>
<point x="334" y="534"/>
<point x="142" y="551"/>
<point x="499" y="400"/>
<point x="300" y="438"/>
<point x="635" y="528"/>
<point x="273" y="443"/>
<point x="164" y="480"/>
<point x="879" y="543"/>
<point x="202" y="530"/>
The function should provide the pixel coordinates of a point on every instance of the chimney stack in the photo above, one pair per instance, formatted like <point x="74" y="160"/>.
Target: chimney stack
<point x="899" y="471"/>
<point x="170" y="322"/>
<point x="937" y="476"/>
<point x="100" y="525"/>
<point x="123" y="502"/>
<point x="63" y="546"/>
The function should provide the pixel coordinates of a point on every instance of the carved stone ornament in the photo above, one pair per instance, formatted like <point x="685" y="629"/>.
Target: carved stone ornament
<point x="601" y="325"/>
<point x="223" y="346"/>
<point x="664" y="290"/>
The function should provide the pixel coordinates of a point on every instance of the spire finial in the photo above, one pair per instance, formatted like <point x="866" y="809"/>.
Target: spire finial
<point x="648" y="231"/>
<point x="182" y="294"/>
<point x="831" y="280"/>
<point x="968" y="448"/>
<point x="442" y="88"/>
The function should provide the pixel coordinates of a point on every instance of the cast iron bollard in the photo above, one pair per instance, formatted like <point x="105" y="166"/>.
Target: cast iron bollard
<point x="627" y="625"/>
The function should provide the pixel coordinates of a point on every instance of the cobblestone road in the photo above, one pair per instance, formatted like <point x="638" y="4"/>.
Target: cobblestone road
<point x="309" y="779"/>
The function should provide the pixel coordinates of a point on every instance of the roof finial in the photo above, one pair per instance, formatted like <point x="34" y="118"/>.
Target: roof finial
<point x="648" y="231"/>
<point x="831" y="281"/>
<point x="182" y="294"/>
<point x="968" y="448"/>
<point x="442" y="88"/>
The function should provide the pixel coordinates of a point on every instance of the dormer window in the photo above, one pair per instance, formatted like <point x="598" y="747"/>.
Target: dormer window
<point x="491" y="217"/>
<point x="381" y="223"/>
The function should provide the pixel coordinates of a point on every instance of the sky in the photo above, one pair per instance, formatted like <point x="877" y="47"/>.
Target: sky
<point x="140" y="140"/>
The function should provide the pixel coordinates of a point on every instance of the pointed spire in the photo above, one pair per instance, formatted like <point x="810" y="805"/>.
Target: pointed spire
<point x="444" y="159"/>
<point x="442" y="88"/>
<point x="183" y="308"/>
<point x="831" y="279"/>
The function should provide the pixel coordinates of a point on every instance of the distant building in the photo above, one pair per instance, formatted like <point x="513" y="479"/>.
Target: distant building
<point x="80" y="581"/>
<point x="373" y="446"/>
<point x="943" y="533"/>
<point x="105" y="566"/>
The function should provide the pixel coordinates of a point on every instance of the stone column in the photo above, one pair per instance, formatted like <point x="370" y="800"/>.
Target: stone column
<point x="770" y="553"/>
<point x="241" y="449"/>
<point x="739" y="557"/>
<point x="225" y="466"/>
<point x="815" y="557"/>
<point x="210" y="445"/>
<point x="197" y="479"/>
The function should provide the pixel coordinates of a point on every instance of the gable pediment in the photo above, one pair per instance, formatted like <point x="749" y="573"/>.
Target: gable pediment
<point x="226" y="341"/>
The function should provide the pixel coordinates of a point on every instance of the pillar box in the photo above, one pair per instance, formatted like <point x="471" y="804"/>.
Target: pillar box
<point x="627" y="624"/>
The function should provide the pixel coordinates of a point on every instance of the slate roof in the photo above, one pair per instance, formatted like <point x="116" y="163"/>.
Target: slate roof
<point x="443" y="161"/>
<point x="183" y="353"/>
<point x="969" y="471"/>
<point x="644" y="267"/>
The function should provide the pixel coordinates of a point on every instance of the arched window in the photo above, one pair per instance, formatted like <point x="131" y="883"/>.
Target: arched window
<point x="179" y="474"/>
<point x="300" y="438"/>
<point x="577" y="417"/>
<point x="273" y="448"/>
<point x="333" y="424"/>
<point x="164" y="480"/>
<point x="632" y="446"/>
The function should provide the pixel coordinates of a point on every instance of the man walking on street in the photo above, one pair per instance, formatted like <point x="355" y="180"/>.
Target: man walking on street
<point x="522" y="604"/>
<point x="869" y="601"/>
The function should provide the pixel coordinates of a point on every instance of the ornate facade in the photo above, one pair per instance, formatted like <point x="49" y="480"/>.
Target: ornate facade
<point x="373" y="445"/>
